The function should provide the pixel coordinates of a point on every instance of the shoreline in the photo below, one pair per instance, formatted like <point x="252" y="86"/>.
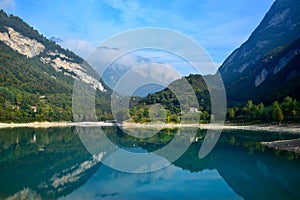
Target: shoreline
<point x="292" y="145"/>
<point x="290" y="128"/>
<point x="53" y="124"/>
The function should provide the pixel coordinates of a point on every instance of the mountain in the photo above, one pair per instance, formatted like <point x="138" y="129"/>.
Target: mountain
<point x="114" y="71"/>
<point x="37" y="76"/>
<point x="124" y="65"/>
<point x="266" y="67"/>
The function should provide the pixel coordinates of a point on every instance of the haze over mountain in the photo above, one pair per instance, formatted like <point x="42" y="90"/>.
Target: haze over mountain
<point x="114" y="64"/>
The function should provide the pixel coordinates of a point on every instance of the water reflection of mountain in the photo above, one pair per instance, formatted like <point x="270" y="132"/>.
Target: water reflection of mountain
<point x="53" y="162"/>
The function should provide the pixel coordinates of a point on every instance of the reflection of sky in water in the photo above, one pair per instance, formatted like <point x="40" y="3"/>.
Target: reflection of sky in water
<point x="169" y="183"/>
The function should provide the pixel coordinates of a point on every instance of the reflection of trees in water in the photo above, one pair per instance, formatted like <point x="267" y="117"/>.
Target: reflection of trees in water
<point x="252" y="171"/>
<point x="28" y="164"/>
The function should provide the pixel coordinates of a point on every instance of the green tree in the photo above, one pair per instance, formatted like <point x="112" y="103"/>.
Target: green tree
<point x="259" y="111"/>
<point x="277" y="112"/>
<point x="205" y="116"/>
<point x="289" y="107"/>
<point x="231" y="113"/>
<point x="249" y="109"/>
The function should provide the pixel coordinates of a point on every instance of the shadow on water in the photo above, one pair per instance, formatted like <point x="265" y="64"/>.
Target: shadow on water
<point x="52" y="163"/>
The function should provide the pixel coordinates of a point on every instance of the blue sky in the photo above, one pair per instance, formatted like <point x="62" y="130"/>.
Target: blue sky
<point x="219" y="26"/>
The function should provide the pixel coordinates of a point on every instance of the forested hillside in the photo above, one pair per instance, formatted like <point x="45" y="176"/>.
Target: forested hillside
<point x="37" y="84"/>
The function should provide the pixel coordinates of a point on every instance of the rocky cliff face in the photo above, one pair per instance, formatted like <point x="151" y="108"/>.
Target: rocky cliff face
<point x="257" y="60"/>
<point x="274" y="69"/>
<point x="62" y="63"/>
<point x="59" y="61"/>
<point x="23" y="45"/>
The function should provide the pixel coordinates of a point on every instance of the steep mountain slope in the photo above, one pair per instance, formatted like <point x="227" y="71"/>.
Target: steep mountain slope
<point x="263" y="67"/>
<point x="37" y="75"/>
<point x="275" y="77"/>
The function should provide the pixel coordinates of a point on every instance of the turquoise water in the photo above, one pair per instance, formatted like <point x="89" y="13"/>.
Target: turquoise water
<point x="54" y="164"/>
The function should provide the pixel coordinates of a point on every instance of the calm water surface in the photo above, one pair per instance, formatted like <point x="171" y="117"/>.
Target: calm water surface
<point x="54" y="164"/>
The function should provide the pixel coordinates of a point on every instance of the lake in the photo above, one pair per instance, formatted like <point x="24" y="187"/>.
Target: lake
<point x="54" y="164"/>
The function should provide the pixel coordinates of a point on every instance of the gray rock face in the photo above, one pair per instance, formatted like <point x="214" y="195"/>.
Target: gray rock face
<point x="284" y="60"/>
<point x="261" y="77"/>
<point x="21" y="44"/>
<point x="60" y="62"/>
<point x="63" y="63"/>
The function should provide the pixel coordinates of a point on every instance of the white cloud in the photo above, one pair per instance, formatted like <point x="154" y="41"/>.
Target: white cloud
<point x="7" y="4"/>
<point x="102" y="56"/>
<point x="80" y="47"/>
<point x="128" y="9"/>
